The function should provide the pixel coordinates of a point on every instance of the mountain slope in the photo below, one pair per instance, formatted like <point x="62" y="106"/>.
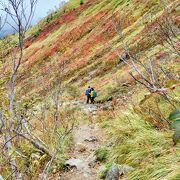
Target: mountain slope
<point x="81" y="45"/>
<point x="82" y="36"/>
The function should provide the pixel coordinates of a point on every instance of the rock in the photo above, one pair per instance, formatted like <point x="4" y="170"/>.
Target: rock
<point x="124" y="57"/>
<point x="113" y="173"/>
<point x="106" y="106"/>
<point x="80" y="165"/>
<point x="102" y="172"/>
<point x="80" y="147"/>
<point x="111" y="142"/>
<point x="91" y="126"/>
<point x="124" y="169"/>
<point x="93" y="162"/>
<point x="1" y="178"/>
<point x="73" y="162"/>
<point x="91" y="139"/>
<point x="94" y="113"/>
<point x="92" y="159"/>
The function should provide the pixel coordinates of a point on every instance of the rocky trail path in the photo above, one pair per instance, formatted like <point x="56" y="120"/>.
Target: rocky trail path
<point x="86" y="137"/>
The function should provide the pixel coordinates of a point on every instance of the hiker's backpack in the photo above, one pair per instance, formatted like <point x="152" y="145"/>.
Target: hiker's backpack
<point x="88" y="91"/>
<point x="95" y="93"/>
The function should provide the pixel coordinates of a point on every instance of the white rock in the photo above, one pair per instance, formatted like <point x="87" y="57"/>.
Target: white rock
<point x="1" y="178"/>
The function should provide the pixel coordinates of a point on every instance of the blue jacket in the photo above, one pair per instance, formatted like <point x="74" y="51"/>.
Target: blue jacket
<point x="88" y="91"/>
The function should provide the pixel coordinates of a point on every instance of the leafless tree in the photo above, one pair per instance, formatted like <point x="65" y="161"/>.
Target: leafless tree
<point x="61" y="140"/>
<point x="3" y="21"/>
<point x="19" y="17"/>
<point x="168" y="30"/>
<point x="144" y="70"/>
<point x="57" y="103"/>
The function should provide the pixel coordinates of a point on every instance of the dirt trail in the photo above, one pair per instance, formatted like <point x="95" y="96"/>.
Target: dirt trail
<point x="86" y="137"/>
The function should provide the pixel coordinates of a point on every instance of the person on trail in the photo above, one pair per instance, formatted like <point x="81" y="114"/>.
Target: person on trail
<point x="88" y="94"/>
<point x="93" y="95"/>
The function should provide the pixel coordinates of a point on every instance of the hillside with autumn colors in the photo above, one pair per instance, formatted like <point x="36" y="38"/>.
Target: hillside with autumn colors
<point x="82" y="38"/>
<point x="128" y="50"/>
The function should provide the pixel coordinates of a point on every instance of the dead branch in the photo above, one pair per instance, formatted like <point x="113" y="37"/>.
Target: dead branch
<point x="61" y="141"/>
<point x="21" y="20"/>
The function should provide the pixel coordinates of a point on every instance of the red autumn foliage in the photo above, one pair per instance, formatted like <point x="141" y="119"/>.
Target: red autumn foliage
<point x="83" y="42"/>
<point x="161" y="55"/>
<point x="66" y="18"/>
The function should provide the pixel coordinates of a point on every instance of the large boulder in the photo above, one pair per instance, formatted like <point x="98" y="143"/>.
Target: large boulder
<point x="73" y="162"/>
<point x="113" y="173"/>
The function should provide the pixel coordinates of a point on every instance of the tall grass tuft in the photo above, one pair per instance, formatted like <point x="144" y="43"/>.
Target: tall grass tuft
<point x="138" y="144"/>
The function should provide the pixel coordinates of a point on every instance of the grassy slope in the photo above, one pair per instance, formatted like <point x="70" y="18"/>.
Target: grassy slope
<point x="81" y="36"/>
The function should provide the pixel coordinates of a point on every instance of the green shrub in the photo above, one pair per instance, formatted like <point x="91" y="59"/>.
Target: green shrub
<point x="36" y="33"/>
<point x="81" y="2"/>
<point x="176" y="177"/>
<point x="61" y="164"/>
<point x="175" y="124"/>
<point x="103" y="172"/>
<point x="101" y="154"/>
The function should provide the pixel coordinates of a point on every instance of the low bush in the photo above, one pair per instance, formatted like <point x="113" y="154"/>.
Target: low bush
<point x="81" y="2"/>
<point x="101" y="154"/>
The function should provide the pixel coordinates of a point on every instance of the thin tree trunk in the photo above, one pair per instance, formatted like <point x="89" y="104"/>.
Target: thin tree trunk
<point x="12" y="162"/>
<point x="35" y="143"/>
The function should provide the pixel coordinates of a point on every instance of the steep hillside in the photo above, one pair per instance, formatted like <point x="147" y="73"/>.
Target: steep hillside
<point x="81" y="37"/>
<point x="82" y="45"/>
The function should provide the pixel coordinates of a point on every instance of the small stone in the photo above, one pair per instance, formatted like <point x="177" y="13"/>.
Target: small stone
<point x="79" y="165"/>
<point x="111" y="142"/>
<point x="94" y="113"/>
<point x="92" y="159"/>
<point x="124" y="169"/>
<point x="91" y="126"/>
<point x="91" y="139"/>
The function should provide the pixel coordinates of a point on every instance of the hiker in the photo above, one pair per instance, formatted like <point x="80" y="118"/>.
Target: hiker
<point x="88" y="94"/>
<point x="93" y="95"/>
